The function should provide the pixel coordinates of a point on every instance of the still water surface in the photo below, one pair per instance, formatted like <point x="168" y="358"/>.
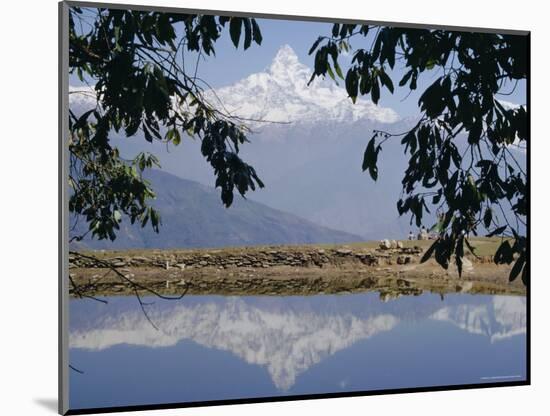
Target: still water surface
<point x="219" y="347"/>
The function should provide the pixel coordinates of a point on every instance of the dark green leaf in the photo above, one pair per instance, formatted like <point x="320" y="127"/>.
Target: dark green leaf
<point x="375" y="91"/>
<point x="405" y="78"/>
<point x="386" y="80"/>
<point x="488" y="217"/>
<point x="504" y="253"/>
<point x="525" y="274"/>
<point x="257" y="33"/>
<point x="352" y="84"/>
<point x="428" y="253"/>
<point x="315" y="44"/>
<point x="497" y="231"/>
<point x="517" y="268"/>
<point x="235" y="25"/>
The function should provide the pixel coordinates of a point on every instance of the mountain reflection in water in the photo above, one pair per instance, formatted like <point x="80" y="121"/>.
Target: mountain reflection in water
<point x="215" y="347"/>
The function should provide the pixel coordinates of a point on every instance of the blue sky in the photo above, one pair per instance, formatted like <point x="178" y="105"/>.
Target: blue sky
<point x="231" y="64"/>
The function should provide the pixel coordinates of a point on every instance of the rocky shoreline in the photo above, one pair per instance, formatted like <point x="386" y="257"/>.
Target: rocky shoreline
<point x="249" y="257"/>
<point x="391" y="269"/>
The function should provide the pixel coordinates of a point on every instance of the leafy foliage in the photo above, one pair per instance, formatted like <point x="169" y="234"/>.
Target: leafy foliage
<point x="466" y="188"/>
<point x="135" y="62"/>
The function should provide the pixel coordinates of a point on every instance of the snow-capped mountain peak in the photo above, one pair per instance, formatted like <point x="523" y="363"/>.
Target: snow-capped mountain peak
<point x="286" y="57"/>
<point x="286" y="67"/>
<point x="280" y="94"/>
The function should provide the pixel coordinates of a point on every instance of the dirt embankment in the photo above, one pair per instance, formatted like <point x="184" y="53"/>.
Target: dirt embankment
<point x="283" y="270"/>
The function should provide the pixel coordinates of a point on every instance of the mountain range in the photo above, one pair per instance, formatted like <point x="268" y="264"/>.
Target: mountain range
<point x="307" y="144"/>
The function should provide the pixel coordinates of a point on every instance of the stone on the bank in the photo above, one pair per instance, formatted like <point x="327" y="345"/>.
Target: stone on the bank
<point x="403" y="259"/>
<point x="140" y="259"/>
<point x="385" y="244"/>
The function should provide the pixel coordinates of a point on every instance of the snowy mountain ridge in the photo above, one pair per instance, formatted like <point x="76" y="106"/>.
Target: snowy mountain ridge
<point x="281" y="94"/>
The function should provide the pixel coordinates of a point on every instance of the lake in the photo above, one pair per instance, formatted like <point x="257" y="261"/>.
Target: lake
<point x="220" y="347"/>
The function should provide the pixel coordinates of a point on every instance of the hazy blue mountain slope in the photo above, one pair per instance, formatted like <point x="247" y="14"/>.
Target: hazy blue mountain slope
<point x="193" y="216"/>
<point x="331" y="189"/>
